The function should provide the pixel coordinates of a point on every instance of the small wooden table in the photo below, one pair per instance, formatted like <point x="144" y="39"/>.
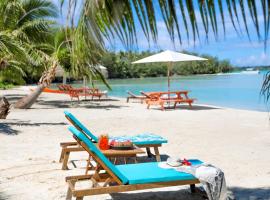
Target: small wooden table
<point x="114" y="155"/>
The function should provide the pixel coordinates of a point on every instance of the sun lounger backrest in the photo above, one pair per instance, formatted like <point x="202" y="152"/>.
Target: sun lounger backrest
<point x="78" y="124"/>
<point x="131" y="94"/>
<point x="98" y="153"/>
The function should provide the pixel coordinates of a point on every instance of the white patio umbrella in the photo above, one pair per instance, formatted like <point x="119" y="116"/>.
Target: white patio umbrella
<point x="169" y="57"/>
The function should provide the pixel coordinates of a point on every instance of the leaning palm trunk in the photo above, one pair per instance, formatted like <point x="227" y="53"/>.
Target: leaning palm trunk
<point x="46" y="79"/>
<point x="4" y="108"/>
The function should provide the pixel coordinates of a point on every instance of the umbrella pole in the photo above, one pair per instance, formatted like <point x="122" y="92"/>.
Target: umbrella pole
<point x="84" y="86"/>
<point x="168" y="75"/>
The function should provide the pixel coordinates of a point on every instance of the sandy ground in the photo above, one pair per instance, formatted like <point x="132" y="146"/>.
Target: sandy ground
<point x="237" y="141"/>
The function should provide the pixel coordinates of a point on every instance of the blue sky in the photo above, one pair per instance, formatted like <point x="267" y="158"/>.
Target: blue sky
<point x="238" y="49"/>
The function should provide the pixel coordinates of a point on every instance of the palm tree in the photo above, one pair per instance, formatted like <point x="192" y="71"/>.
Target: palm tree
<point x="28" y="39"/>
<point x="109" y="19"/>
<point x="24" y="24"/>
<point x="56" y="54"/>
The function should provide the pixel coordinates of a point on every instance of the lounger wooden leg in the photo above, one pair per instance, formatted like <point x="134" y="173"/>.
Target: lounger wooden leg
<point x="157" y="154"/>
<point x="127" y="99"/>
<point x="79" y="198"/>
<point x="190" y="105"/>
<point x="65" y="161"/>
<point x="62" y="155"/>
<point x="69" y="194"/>
<point x="148" y="151"/>
<point x="88" y="165"/>
<point x="192" y="188"/>
<point x="148" y="106"/>
<point x="162" y="106"/>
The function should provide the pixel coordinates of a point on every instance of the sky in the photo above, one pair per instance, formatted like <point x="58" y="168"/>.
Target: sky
<point x="233" y="47"/>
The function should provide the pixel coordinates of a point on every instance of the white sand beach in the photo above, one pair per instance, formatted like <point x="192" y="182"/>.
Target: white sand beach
<point x="237" y="141"/>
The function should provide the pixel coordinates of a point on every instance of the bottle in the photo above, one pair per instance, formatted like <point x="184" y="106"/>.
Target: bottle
<point x="103" y="142"/>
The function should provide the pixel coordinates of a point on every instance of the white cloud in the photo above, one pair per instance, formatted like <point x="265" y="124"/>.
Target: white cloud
<point x="254" y="60"/>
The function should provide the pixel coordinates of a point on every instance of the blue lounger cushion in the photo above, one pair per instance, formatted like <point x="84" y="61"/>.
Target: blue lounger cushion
<point x="143" y="173"/>
<point x="141" y="139"/>
<point x="140" y="173"/>
<point x="81" y="126"/>
<point x="98" y="153"/>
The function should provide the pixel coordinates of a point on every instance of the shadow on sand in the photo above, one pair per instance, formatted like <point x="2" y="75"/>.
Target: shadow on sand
<point x="159" y="195"/>
<point x="234" y="193"/>
<point x="5" y="128"/>
<point x="250" y="193"/>
<point x="12" y="98"/>
<point x="82" y="104"/>
<point x="3" y="196"/>
<point x="186" y="107"/>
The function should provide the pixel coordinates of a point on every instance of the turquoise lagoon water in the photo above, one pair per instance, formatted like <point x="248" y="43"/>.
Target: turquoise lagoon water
<point x="237" y="90"/>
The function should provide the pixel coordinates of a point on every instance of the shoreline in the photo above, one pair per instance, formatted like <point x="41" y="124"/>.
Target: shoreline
<point x="26" y="88"/>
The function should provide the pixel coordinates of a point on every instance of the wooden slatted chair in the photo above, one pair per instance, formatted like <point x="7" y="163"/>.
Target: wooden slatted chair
<point x="134" y="96"/>
<point x="123" y="178"/>
<point x="68" y="147"/>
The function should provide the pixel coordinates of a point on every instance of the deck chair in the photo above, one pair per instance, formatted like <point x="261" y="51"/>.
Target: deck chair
<point x="134" y="96"/>
<point x="142" y="140"/>
<point x="123" y="178"/>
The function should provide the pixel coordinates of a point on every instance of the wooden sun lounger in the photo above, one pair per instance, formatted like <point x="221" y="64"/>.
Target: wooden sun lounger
<point x="77" y="92"/>
<point x="68" y="147"/>
<point x="133" y="96"/>
<point x="118" y="179"/>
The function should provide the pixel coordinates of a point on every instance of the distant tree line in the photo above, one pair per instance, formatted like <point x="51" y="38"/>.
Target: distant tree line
<point x="119" y="66"/>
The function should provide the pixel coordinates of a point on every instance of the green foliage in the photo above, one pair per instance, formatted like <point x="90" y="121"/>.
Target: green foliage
<point x="4" y="85"/>
<point x="122" y="19"/>
<point x="119" y="66"/>
<point x="24" y="26"/>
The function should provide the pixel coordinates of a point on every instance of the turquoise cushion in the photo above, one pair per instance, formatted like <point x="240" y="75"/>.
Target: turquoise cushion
<point x="79" y="124"/>
<point x="151" y="173"/>
<point x="98" y="153"/>
<point x="141" y="139"/>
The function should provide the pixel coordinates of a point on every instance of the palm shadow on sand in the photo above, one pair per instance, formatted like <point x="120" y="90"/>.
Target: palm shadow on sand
<point x="3" y="196"/>
<point x="250" y="193"/>
<point x="96" y="104"/>
<point x="7" y="127"/>
<point x="186" y="107"/>
<point x="12" y="98"/>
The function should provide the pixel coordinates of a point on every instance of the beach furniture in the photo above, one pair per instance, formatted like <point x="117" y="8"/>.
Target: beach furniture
<point x="162" y="98"/>
<point x="109" y="178"/>
<point x="134" y="96"/>
<point x="77" y="92"/>
<point x="142" y="140"/>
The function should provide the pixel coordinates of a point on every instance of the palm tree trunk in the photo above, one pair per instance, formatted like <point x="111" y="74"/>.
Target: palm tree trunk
<point x="4" y="108"/>
<point x="45" y="80"/>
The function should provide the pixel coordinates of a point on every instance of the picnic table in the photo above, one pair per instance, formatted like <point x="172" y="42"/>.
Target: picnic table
<point x="174" y="97"/>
